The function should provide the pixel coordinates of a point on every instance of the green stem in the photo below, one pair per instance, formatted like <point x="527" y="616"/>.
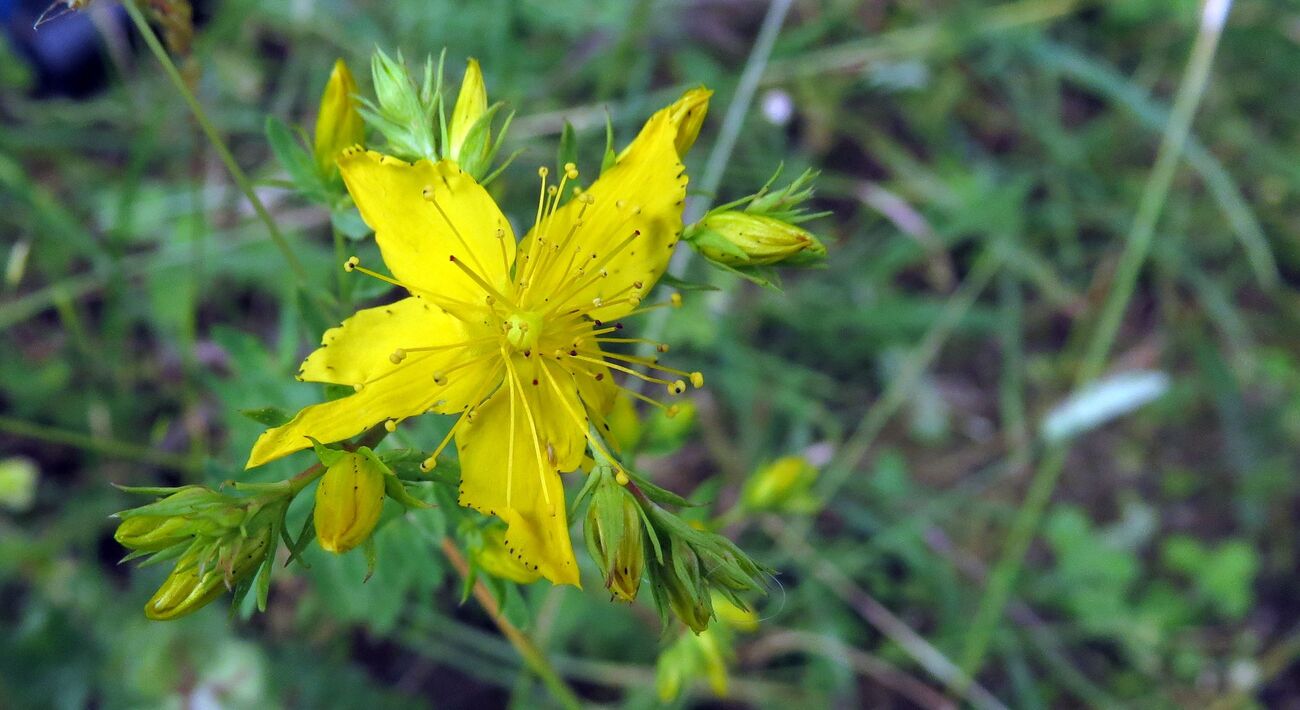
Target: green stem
<point x="108" y="447"/>
<point x="1136" y="249"/>
<point x="223" y="152"/>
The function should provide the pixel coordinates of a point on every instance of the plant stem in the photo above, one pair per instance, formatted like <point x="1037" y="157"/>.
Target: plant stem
<point x="533" y="656"/>
<point x="108" y="447"/>
<point x="223" y="152"/>
<point x="1136" y="249"/>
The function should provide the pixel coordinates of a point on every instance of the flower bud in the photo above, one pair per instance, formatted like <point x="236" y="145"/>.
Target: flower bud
<point x="493" y="557"/>
<point x="349" y="500"/>
<point x="689" y="598"/>
<point x="189" y="512"/>
<point x="616" y="540"/>
<point x="338" y="125"/>
<point x="691" y="657"/>
<point x="471" y="104"/>
<point x="404" y="113"/>
<point x="203" y="573"/>
<point x="740" y="239"/>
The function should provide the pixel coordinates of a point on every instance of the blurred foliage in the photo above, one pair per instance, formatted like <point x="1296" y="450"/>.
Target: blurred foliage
<point x="143" y="307"/>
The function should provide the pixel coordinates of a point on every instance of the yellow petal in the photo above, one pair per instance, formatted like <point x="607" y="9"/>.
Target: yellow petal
<point x="630" y="228"/>
<point x="338" y="125"/>
<point x="418" y="236"/>
<point x="361" y="349"/>
<point x="471" y="103"/>
<point x="505" y="471"/>
<point x="409" y="390"/>
<point x="686" y="116"/>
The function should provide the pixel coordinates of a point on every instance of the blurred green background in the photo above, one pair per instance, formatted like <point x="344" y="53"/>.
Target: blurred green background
<point x="984" y="163"/>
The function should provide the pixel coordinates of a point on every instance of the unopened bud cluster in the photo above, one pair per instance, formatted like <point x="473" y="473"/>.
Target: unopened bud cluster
<point x="219" y="542"/>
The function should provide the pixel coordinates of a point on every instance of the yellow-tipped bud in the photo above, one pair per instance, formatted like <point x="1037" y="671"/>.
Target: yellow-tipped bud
<point x="338" y="125"/>
<point x="348" y="502"/>
<point x="202" y="575"/>
<point x="615" y="537"/>
<point x="784" y="484"/>
<point x="497" y="560"/>
<point x="734" y="616"/>
<point x="736" y="238"/>
<point x="187" y="513"/>
<point x="471" y="104"/>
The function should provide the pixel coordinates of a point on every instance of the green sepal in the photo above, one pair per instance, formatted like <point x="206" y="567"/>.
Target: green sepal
<point x="305" y="536"/>
<point x="683" y="285"/>
<point x="328" y="457"/>
<point x="609" y="157"/>
<point x="568" y="152"/>
<point x="662" y="496"/>
<point x="371" y="551"/>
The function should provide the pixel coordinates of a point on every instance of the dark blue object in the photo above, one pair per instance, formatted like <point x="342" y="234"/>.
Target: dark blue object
<point x="66" y="53"/>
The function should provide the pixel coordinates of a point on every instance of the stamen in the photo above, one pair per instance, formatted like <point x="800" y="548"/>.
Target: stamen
<point x="474" y="403"/>
<point x="492" y="292"/>
<point x="432" y="198"/>
<point x="447" y="304"/>
<point x="564" y="403"/>
<point x="599" y="267"/>
<point x="630" y="371"/>
<point x="652" y="364"/>
<point x="351" y="264"/>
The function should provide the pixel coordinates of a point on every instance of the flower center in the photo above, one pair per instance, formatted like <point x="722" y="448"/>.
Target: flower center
<point x="523" y="329"/>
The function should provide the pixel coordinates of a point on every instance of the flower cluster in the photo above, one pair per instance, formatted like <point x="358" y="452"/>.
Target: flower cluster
<point x="520" y="340"/>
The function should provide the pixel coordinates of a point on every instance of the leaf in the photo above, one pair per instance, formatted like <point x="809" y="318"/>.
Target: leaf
<point x="269" y="416"/>
<point x="296" y="160"/>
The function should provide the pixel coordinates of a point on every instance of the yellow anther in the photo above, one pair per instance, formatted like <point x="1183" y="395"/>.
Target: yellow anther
<point x="676" y="300"/>
<point x="636" y="209"/>
<point x="543" y="171"/>
<point x="634" y="300"/>
<point x="697" y="379"/>
<point x="597" y="302"/>
<point x="676" y="388"/>
<point x="428" y="464"/>
<point x="672" y="411"/>
<point x="550" y="191"/>
<point x="351" y="264"/>
<point x="621" y="476"/>
<point x="358" y="386"/>
<point x="397" y="356"/>
<point x="501" y="233"/>
<point x="440" y="378"/>
<point x="391" y="425"/>
<point x="662" y="347"/>
<point x="427" y="192"/>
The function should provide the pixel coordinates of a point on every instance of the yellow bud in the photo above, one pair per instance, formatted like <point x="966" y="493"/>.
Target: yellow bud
<point x="471" y="104"/>
<point x="619" y="553"/>
<point x="743" y="239"/>
<point x="349" y="500"/>
<point x="782" y="484"/>
<point x="200" y="577"/>
<point x="338" y="125"/>
<point x="495" y="559"/>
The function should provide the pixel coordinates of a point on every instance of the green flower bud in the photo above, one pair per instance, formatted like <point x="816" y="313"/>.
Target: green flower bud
<point x="349" y="500"/>
<point x="208" y="569"/>
<point x="689" y="598"/>
<point x="739" y="239"/>
<point x="190" y="512"/>
<point x="404" y="113"/>
<point x="615" y="537"/>
<point x="784" y="484"/>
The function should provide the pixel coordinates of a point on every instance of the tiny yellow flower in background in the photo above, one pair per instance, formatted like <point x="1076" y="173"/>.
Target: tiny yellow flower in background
<point x="349" y="499"/>
<point x="497" y="560"/>
<point x="339" y="124"/>
<point x="471" y="104"/>
<point x="784" y="484"/>
<point x="510" y="337"/>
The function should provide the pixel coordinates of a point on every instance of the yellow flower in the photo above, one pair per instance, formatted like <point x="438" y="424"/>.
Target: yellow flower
<point x="338" y="125"/>
<point x="509" y="337"/>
